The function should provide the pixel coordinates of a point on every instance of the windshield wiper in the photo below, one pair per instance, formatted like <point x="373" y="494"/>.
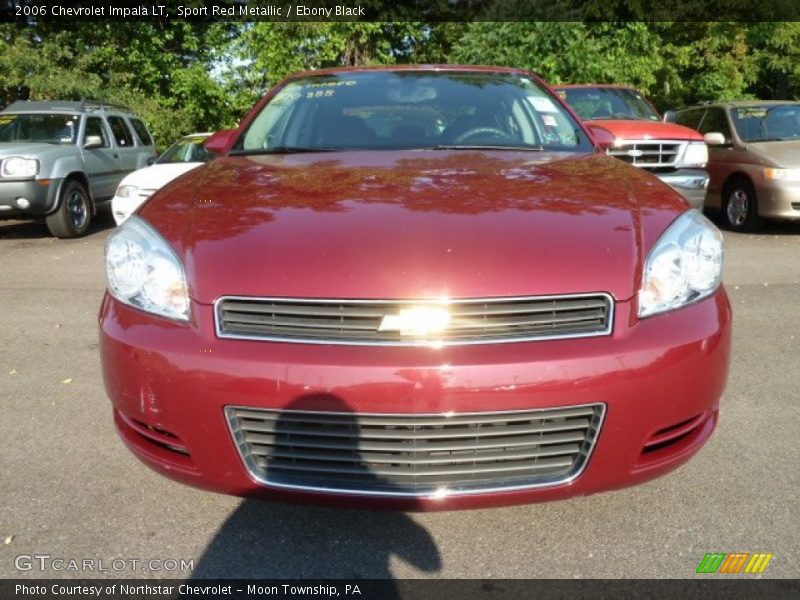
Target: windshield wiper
<point x="283" y="150"/>
<point x="486" y="147"/>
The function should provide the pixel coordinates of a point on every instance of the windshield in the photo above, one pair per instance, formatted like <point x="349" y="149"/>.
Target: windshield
<point x="770" y="122"/>
<point x="53" y="129"/>
<point x="608" y="103"/>
<point x="412" y="110"/>
<point x="188" y="149"/>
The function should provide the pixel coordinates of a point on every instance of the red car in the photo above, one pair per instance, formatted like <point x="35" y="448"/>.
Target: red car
<point x="675" y="154"/>
<point x="414" y="288"/>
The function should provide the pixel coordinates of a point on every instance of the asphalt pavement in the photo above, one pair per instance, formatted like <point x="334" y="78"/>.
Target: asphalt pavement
<point x="70" y="490"/>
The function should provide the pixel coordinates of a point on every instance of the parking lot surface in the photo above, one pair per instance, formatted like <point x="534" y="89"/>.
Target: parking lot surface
<point x="69" y="489"/>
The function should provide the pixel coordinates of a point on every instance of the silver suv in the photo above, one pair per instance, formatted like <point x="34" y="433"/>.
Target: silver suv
<point x="63" y="160"/>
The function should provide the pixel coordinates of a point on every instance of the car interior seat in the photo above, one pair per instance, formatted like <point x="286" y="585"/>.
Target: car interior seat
<point x="407" y="135"/>
<point x="603" y="111"/>
<point x="344" y="132"/>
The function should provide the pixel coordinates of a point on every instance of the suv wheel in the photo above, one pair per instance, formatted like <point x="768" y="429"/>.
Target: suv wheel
<point x="740" y="207"/>
<point x="74" y="211"/>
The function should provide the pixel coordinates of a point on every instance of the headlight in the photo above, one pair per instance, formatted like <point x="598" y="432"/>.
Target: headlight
<point x="17" y="166"/>
<point x="791" y="175"/>
<point x="684" y="266"/>
<point x="143" y="271"/>
<point x="127" y="191"/>
<point x="696" y="155"/>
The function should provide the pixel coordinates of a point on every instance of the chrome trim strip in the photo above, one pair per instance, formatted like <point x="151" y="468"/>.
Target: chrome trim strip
<point x="418" y="301"/>
<point x="252" y="469"/>
<point x="651" y="141"/>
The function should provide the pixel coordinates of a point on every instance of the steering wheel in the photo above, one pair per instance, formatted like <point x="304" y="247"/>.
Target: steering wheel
<point x="476" y="131"/>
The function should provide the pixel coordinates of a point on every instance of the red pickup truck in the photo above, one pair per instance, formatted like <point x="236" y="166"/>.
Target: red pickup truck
<point x="676" y="154"/>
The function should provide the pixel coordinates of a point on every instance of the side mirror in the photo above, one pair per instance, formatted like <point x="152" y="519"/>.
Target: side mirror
<point x="715" y="138"/>
<point x="670" y="117"/>
<point x="602" y="137"/>
<point x="152" y="160"/>
<point x="93" y="141"/>
<point x="221" y="141"/>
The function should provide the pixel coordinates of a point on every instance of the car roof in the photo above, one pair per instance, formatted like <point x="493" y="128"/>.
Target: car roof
<point x="65" y="106"/>
<point x="396" y="68"/>
<point x="566" y="86"/>
<point x="737" y="103"/>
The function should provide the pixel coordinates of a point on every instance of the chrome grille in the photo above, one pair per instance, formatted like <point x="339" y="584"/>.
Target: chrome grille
<point x="649" y="153"/>
<point x="415" y="455"/>
<point x="482" y="321"/>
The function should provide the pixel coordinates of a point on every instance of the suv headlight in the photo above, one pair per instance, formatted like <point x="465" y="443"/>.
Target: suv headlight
<point x="16" y="166"/>
<point x="684" y="266"/>
<point x="144" y="272"/>
<point x="696" y="155"/>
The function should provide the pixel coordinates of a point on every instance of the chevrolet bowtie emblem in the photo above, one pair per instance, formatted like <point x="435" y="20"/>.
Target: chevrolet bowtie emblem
<point x="420" y="321"/>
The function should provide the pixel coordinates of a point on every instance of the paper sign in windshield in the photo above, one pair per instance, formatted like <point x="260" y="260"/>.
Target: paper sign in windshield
<point x="542" y="104"/>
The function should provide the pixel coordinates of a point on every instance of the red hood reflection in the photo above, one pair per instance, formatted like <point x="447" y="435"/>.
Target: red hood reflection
<point x="412" y="224"/>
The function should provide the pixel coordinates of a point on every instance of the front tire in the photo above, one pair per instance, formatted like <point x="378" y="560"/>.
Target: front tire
<point x="740" y="207"/>
<point x="74" y="213"/>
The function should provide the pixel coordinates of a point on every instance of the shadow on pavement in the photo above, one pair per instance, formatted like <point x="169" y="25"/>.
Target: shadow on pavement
<point x="269" y="540"/>
<point x="13" y="229"/>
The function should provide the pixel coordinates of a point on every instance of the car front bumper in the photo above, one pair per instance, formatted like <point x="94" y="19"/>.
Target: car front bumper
<point x="690" y="183"/>
<point x="41" y="196"/>
<point x="170" y="383"/>
<point x="778" y="200"/>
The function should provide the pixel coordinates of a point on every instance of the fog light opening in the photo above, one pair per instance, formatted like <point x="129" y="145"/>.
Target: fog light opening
<point x="23" y="203"/>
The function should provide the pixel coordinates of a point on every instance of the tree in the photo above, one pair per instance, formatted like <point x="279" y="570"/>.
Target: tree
<point x="189" y="76"/>
<point x="266" y="52"/>
<point x="165" y="72"/>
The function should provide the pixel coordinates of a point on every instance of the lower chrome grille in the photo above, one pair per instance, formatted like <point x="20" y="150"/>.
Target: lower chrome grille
<point x="649" y="153"/>
<point x="415" y="455"/>
<point x="470" y="321"/>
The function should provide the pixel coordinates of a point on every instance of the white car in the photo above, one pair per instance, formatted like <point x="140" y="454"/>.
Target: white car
<point x="183" y="156"/>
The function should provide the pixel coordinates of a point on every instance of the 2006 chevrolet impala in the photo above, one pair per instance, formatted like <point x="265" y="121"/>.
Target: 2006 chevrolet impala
<point x="414" y="288"/>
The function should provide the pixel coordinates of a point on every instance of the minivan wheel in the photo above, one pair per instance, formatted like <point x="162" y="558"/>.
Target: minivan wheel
<point x="740" y="209"/>
<point x="74" y="213"/>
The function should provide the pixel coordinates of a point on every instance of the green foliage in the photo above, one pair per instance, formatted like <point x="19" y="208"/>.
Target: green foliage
<point x="163" y="70"/>
<point x="267" y="52"/>
<point x="566" y="52"/>
<point x="674" y="63"/>
<point x="184" y="77"/>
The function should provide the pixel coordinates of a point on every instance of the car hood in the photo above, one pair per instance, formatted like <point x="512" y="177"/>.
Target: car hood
<point x="155" y="177"/>
<point x="778" y="154"/>
<point x="646" y="130"/>
<point x="30" y="149"/>
<point x="413" y="224"/>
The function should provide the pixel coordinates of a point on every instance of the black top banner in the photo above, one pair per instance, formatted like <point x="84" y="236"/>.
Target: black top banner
<point x="34" y="11"/>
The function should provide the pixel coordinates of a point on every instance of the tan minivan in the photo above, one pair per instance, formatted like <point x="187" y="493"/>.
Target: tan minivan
<point x="754" y="158"/>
